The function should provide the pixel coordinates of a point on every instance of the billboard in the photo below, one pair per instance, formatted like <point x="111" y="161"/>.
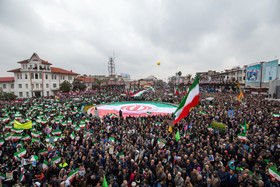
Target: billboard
<point x="270" y="70"/>
<point x="253" y="73"/>
<point x="124" y="75"/>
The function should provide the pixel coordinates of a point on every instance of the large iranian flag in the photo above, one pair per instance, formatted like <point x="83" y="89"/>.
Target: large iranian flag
<point x="190" y="100"/>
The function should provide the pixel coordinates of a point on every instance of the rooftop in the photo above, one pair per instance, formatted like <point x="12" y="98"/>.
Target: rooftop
<point x="62" y="71"/>
<point x="7" y="79"/>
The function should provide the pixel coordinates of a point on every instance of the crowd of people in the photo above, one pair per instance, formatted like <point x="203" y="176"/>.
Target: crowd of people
<point x="69" y="147"/>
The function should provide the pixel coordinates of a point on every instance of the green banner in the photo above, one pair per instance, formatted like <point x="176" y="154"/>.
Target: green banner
<point x="218" y="126"/>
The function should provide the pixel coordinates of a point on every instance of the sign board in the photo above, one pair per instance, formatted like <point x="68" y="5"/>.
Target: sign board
<point x="253" y="74"/>
<point x="270" y="71"/>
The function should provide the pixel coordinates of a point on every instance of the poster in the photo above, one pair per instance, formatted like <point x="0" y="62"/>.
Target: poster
<point x="270" y="70"/>
<point x="230" y="114"/>
<point x="111" y="150"/>
<point x="253" y="74"/>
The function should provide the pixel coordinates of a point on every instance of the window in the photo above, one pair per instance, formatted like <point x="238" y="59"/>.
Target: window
<point x="37" y="85"/>
<point x="19" y="86"/>
<point x="62" y="77"/>
<point x="48" y="94"/>
<point x="35" y="66"/>
<point x="47" y="85"/>
<point x="70" y="77"/>
<point x="26" y="85"/>
<point x="40" y="75"/>
<point x="243" y="78"/>
<point x="4" y="86"/>
<point x="27" y="94"/>
<point x="41" y="85"/>
<point x="20" y="94"/>
<point x="12" y="85"/>
<point x="46" y="76"/>
<point x="36" y="75"/>
<point x="32" y="86"/>
<point x="25" y="76"/>
<point x="20" y="75"/>
<point x="32" y="75"/>
<point x="30" y="66"/>
<point x="17" y="76"/>
<point x="54" y="85"/>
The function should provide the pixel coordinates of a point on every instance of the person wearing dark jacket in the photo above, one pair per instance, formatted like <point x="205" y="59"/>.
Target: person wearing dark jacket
<point x="223" y="175"/>
<point x="232" y="179"/>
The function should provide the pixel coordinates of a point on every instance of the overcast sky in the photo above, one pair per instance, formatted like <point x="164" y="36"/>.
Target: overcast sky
<point x="189" y="36"/>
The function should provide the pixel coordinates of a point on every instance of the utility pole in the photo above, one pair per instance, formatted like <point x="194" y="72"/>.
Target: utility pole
<point x="261" y="77"/>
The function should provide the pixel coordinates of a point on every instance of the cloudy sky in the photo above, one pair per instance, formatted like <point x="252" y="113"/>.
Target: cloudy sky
<point x="189" y="36"/>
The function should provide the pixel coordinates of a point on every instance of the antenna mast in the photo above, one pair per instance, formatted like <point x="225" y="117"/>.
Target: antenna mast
<point x="111" y="66"/>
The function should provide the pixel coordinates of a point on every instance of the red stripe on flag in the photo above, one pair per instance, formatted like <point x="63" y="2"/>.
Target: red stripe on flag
<point x="187" y="108"/>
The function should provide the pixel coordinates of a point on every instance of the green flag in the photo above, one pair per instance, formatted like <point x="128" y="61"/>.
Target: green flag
<point x="246" y="127"/>
<point x="177" y="136"/>
<point x="104" y="181"/>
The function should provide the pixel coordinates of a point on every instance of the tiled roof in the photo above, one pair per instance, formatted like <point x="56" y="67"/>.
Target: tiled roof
<point x="86" y="79"/>
<point x="62" y="71"/>
<point x="14" y="70"/>
<point x="23" y="62"/>
<point x="43" y="62"/>
<point x="7" y="79"/>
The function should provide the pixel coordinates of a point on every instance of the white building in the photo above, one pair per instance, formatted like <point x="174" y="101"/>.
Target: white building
<point x="35" y="77"/>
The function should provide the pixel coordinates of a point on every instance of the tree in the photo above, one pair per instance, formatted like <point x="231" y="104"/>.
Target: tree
<point x="179" y="73"/>
<point x="65" y="86"/>
<point x="9" y="96"/>
<point x="189" y="76"/>
<point x="4" y="95"/>
<point x="78" y="85"/>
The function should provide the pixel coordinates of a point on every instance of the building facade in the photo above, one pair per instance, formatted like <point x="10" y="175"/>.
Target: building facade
<point x="36" y="77"/>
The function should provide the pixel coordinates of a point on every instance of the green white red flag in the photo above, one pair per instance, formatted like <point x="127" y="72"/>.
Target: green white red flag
<point x="26" y="138"/>
<point x="1" y="142"/>
<point x="274" y="173"/>
<point x="20" y="153"/>
<point x="190" y="100"/>
<point x="35" y="134"/>
<point x="56" y="159"/>
<point x="56" y="132"/>
<point x="45" y="165"/>
<point x="242" y="137"/>
<point x="72" y="175"/>
<point x="43" y="152"/>
<point x="16" y="137"/>
<point x="21" y="177"/>
<point x="72" y="136"/>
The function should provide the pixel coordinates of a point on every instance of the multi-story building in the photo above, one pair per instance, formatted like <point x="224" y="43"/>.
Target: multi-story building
<point x="36" y="77"/>
<point x="88" y="81"/>
<point x="7" y="84"/>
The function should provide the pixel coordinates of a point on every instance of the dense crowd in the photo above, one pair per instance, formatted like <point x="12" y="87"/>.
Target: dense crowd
<point x="68" y="147"/>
